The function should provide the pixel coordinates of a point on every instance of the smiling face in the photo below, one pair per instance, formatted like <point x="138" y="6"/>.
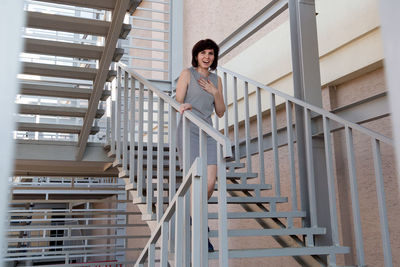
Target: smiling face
<point x="205" y="58"/>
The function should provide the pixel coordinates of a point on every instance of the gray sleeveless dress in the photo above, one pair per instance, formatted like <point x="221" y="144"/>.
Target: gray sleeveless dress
<point x="203" y="106"/>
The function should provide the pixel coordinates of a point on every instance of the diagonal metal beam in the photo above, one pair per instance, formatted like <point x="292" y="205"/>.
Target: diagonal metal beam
<point x="264" y="16"/>
<point x="105" y="61"/>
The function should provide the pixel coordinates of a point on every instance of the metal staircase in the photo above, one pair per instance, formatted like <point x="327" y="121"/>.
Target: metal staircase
<point x="69" y="46"/>
<point x="167" y="208"/>
<point x="141" y="141"/>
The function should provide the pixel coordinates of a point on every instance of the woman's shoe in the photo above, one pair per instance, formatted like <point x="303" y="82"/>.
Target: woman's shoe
<point x="210" y="246"/>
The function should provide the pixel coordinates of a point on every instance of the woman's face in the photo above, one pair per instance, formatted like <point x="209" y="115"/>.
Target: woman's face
<point x="205" y="58"/>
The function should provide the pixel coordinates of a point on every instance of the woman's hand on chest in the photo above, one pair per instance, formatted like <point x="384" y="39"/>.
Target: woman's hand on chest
<point x="208" y="86"/>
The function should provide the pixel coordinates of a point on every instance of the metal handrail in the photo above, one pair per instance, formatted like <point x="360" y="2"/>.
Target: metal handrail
<point x="212" y="132"/>
<point x="313" y="108"/>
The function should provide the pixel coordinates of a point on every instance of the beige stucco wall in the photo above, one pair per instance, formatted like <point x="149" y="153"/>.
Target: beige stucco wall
<point x="350" y="50"/>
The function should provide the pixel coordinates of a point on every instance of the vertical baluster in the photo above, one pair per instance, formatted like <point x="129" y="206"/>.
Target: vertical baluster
<point x="226" y="104"/>
<point x="179" y="235"/>
<point x="354" y="196"/>
<point x="119" y="110"/>
<point x="172" y="167"/>
<point x="140" y="179"/>
<point x="149" y="187"/>
<point x="186" y="204"/>
<point x="126" y="112"/>
<point x="275" y="145"/>
<point x="197" y="211"/>
<point x="380" y="191"/>
<point x="186" y="145"/>
<point x="164" y="244"/>
<point x="108" y="131"/>
<point x="310" y="168"/>
<point x="222" y="209"/>
<point x="289" y="127"/>
<point x="132" y="132"/>
<point x="216" y="122"/>
<point x="331" y="186"/>
<point x="260" y="136"/>
<point x="247" y="125"/>
<point x="160" y="159"/>
<point x="152" y="255"/>
<point x="113" y="128"/>
<point x="236" y="118"/>
<point x="204" y="198"/>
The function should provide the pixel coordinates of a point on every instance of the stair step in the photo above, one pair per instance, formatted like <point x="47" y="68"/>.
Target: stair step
<point x="260" y="215"/>
<point x="63" y="49"/>
<point x="95" y="4"/>
<point x="230" y="187"/>
<point x="235" y="165"/>
<point x="250" y="200"/>
<point x="28" y="88"/>
<point x="53" y="128"/>
<point x="72" y="24"/>
<point x="165" y="162"/>
<point x="52" y="70"/>
<point x="230" y="200"/>
<point x="271" y="232"/>
<point x="56" y="111"/>
<point x="279" y="252"/>
<point x="231" y="175"/>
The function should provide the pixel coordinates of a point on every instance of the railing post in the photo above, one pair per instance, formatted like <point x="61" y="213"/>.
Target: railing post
<point x="140" y="143"/>
<point x="176" y="40"/>
<point x="149" y="186"/>
<point x="172" y="169"/>
<point x="132" y="125"/>
<point x="160" y="160"/>
<point x="222" y="209"/>
<point x="204" y="199"/>
<point x="307" y="87"/>
<point x="11" y="22"/>
<point x="125" y="124"/>
<point x="118" y="116"/>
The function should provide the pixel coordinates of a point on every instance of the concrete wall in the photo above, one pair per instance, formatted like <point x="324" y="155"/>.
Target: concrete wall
<point x="350" y="49"/>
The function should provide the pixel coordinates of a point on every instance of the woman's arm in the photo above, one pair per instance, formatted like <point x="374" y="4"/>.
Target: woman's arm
<point x="181" y="88"/>
<point x="217" y="93"/>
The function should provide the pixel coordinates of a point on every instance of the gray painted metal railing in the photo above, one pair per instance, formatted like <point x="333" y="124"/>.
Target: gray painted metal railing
<point x="122" y="133"/>
<point x="330" y="123"/>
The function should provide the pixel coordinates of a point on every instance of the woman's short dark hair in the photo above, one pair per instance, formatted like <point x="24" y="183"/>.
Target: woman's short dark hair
<point x="203" y="45"/>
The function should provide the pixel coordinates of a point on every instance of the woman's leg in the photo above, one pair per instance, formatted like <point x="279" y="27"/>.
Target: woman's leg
<point x="211" y="178"/>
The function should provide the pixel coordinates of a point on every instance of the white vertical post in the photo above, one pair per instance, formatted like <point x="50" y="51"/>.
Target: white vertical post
<point x="11" y="22"/>
<point x="176" y="40"/>
<point x="390" y="20"/>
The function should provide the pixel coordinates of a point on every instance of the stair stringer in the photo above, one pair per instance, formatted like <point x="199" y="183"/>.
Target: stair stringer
<point x="283" y="241"/>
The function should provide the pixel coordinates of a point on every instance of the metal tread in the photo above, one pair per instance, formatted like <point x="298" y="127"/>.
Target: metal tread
<point x="230" y="200"/>
<point x="72" y="24"/>
<point x="64" y="49"/>
<point x="277" y="252"/>
<point x="229" y="187"/>
<point x="257" y="215"/>
<point x="250" y="200"/>
<point x="53" y="128"/>
<point x="271" y="232"/>
<point x="70" y="72"/>
<point x="56" y="111"/>
<point x="95" y="4"/>
<point x="59" y="91"/>
<point x="229" y="175"/>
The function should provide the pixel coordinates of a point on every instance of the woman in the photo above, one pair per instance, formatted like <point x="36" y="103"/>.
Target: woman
<point x="200" y="91"/>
